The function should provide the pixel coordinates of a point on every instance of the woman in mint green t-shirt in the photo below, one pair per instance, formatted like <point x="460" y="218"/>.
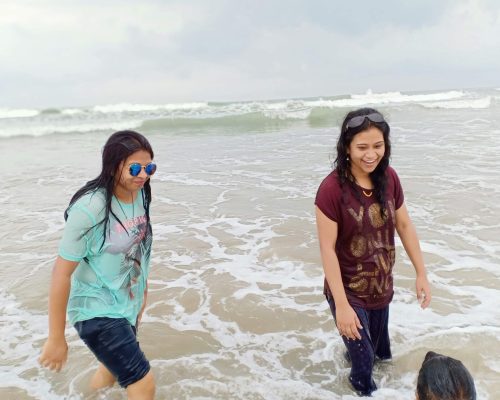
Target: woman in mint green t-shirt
<point x="100" y="275"/>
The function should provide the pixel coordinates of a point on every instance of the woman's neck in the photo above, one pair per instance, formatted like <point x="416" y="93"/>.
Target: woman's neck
<point x="363" y="180"/>
<point x="124" y="196"/>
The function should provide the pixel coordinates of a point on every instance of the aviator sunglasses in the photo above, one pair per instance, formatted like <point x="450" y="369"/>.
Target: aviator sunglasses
<point x="354" y="122"/>
<point x="135" y="168"/>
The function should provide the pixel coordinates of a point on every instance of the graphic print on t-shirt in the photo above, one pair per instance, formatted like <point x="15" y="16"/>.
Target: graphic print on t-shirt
<point x="372" y="246"/>
<point x="131" y="239"/>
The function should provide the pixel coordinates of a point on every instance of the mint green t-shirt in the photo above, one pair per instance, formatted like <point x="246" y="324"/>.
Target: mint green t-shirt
<point x="109" y="281"/>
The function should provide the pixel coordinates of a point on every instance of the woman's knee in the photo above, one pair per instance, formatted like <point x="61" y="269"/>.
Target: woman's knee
<point x="361" y="351"/>
<point x="143" y="389"/>
<point x="102" y="378"/>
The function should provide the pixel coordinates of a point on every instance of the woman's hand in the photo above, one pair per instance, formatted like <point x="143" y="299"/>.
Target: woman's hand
<point x="408" y="234"/>
<point x="423" y="291"/>
<point x="139" y="316"/>
<point x="54" y="354"/>
<point x="348" y="322"/>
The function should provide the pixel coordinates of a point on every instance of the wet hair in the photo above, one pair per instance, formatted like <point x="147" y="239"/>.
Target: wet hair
<point x="342" y="163"/>
<point x="444" y="378"/>
<point x="119" y="146"/>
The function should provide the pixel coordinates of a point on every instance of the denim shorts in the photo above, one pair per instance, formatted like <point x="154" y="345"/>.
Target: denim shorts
<point x="113" y="341"/>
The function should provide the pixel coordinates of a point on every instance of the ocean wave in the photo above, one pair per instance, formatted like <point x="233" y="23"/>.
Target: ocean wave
<point x="72" y="111"/>
<point x="50" y="111"/>
<point x="370" y="98"/>
<point x="237" y="116"/>
<point x="17" y="113"/>
<point x="275" y="109"/>
<point x="356" y="100"/>
<point x="128" y="107"/>
<point x="483" y="102"/>
<point x="42" y="130"/>
<point x="250" y="122"/>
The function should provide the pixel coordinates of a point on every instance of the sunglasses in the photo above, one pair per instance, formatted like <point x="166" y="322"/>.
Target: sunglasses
<point x="355" y="122"/>
<point x="136" y="168"/>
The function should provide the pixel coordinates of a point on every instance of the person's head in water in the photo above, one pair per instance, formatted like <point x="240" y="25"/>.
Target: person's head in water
<point x="444" y="378"/>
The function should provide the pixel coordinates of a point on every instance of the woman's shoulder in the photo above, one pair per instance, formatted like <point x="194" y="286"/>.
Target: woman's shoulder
<point x="330" y="187"/>
<point x="331" y="180"/>
<point x="93" y="202"/>
<point x="390" y="171"/>
<point x="392" y="175"/>
<point x="394" y="187"/>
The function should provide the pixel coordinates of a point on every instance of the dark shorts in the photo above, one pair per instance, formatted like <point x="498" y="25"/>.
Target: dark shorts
<point x="113" y="341"/>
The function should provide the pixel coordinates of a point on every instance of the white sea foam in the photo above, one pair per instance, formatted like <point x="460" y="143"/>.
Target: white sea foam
<point x="283" y="114"/>
<point x="22" y="332"/>
<point x="128" y="107"/>
<point x="370" y="98"/>
<point x="484" y="102"/>
<point x="17" y="113"/>
<point x="73" y="111"/>
<point x="91" y="126"/>
<point x="300" y="109"/>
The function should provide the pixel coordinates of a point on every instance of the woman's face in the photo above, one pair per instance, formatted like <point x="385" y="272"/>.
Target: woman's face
<point x="128" y="183"/>
<point x="365" y="151"/>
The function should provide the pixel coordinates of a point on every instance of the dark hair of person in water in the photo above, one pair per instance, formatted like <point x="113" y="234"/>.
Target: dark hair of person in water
<point x="444" y="378"/>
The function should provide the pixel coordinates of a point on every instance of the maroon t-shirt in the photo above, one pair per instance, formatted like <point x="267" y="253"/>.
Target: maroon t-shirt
<point x="365" y="242"/>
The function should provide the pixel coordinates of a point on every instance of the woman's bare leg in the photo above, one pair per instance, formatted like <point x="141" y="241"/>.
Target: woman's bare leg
<point x="143" y="389"/>
<point x="102" y="378"/>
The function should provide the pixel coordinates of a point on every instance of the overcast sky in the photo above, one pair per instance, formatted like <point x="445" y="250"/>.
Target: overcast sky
<point x="79" y="53"/>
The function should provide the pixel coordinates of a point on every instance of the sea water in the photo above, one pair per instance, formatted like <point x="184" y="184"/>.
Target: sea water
<point x="235" y="307"/>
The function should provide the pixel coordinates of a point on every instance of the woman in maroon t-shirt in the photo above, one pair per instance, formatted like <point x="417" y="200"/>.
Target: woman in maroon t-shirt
<point x="358" y="208"/>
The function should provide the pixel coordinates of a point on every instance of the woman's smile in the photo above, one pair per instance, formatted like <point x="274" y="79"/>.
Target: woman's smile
<point x="365" y="151"/>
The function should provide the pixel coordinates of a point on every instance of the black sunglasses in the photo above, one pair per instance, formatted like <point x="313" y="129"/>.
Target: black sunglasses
<point x="357" y="121"/>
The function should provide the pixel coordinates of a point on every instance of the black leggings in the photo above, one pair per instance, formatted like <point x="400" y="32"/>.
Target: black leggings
<point x="374" y="343"/>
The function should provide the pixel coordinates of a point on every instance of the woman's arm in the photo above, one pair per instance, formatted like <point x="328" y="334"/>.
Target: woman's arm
<point x="408" y="234"/>
<point x="55" y="349"/>
<point x="144" y="301"/>
<point x="347" y="320"/>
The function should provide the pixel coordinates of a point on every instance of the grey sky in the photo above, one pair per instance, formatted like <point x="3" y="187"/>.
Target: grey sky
<point x="71" y="53"/>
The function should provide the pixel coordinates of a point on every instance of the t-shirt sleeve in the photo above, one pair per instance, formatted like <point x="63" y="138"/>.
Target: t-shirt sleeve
<point x="327" y="198"/>
<point x="75" y="242"/>
<point x="399" y="197"/>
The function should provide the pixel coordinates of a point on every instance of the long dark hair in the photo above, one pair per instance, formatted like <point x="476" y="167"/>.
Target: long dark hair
<point x="119" y="146"/>
<point x="342" y="164"/>
<point x="444" y="378"/>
